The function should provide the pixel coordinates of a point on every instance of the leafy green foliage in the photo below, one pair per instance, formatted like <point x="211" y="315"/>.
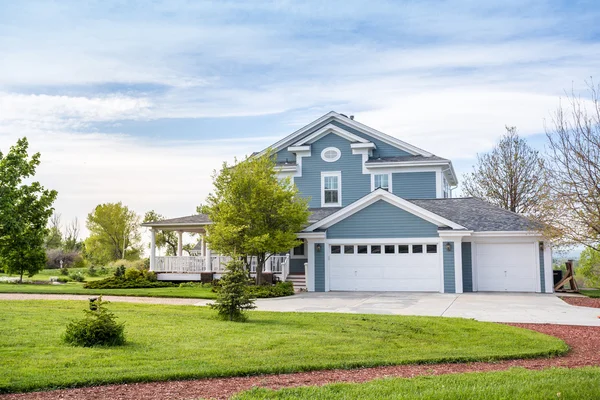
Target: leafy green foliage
<point x="24" y="212"/>
<point x="253" y="213"/>
<point x="589" y="267"/>
<point x="168" y="342"/>
<point x="98" y="328"/>
<point x="233" y="295"/>
<point x="114" y="234"/>
<point x="280" y="289"/>
<point x="141" y="280"/>
<point x="77" y="276"/>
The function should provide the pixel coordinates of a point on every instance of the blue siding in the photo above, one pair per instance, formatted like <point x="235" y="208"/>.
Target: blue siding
<point x="297" y="265"/>
<point x="383" y="149"/>
<point x="284" y="155"/>
<point x="449" y="276"/>
<point x="382" y="220"/>
<point x="414" y="185"/>
<point x="354" y="184"/>
<point x="319" y="267"/>
<point x="467" y="267"/>
<point x="542" y="275"/>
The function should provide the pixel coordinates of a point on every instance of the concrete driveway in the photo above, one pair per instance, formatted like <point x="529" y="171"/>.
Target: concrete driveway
<point x="495" y="307"/>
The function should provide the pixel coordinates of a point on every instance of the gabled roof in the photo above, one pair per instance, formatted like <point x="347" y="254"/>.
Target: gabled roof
<point x="198" y="219"/>
<point x="477" y="215"/>
<point x="332" y="115"/>
<point x="373" y="197"/>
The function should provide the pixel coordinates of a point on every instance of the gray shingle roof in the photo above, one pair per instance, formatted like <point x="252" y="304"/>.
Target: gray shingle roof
<point x="191" y="219"/>
<point x="317" y="214"/>
<point x="476" y="214"/>
<point x="405" y="159"/>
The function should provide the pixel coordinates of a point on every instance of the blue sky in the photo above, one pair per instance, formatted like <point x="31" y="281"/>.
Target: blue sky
<point x="140" y="101"/>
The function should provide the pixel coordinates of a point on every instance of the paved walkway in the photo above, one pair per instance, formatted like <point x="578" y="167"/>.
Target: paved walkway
<point x="494" y="307"/>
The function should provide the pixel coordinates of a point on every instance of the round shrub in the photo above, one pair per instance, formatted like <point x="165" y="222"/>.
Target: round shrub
<point x="77" y="276"/>
<point x="97" y="328"/>
<point x="133" y="274"/>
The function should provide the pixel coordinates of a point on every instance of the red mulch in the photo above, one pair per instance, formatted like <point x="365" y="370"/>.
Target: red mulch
<point x="582" y="301"/>
<point x="583" y="340"/>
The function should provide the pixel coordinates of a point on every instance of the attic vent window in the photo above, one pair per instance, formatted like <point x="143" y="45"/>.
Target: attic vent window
<point x="331" y="154"/>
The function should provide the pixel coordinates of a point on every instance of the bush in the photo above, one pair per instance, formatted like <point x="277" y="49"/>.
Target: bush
<point x="64" y="271"/>
<point x="139" y="264"/>
<point x="81" y="263"/>
<point x="63" y="279"/>
<point x="120" y="271"/>
<point x="150" y="276"/>
<point x="196" y="285"/>
<point x="92" y="271"/>
<point x="133" y="273"/>
<point x="77" y="277"/>
<point x="280" y="289"/>
<point x="233" y="296"/>
<point x="119" y="282"/>
<point x="589" y="267"/>
<point x="97" y="328"/>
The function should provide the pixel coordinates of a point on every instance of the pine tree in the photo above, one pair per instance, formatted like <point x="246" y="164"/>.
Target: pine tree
<point x="233" y="297"/>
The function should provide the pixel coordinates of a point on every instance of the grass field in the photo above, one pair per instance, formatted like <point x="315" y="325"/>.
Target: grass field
<point x="178" y="342"/>
<point x="579" y="383"/>
<point x="77" y="288"/>
<point x="591" y="293"/>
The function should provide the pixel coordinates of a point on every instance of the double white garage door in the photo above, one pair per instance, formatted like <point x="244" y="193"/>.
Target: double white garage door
<point x="499" y="267"/>
<point x="385" y="267"/>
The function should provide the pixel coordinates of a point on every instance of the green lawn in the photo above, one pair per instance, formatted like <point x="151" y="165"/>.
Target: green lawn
<point x="77" y="288"/>
<point x="591" y="293"/>
<point x="178" y="342"/>
<point x="556" y="383"/>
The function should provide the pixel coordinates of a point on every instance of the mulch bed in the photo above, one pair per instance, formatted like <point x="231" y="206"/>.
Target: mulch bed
<point x="582" y="301"/>
<point x="583" y="340"/>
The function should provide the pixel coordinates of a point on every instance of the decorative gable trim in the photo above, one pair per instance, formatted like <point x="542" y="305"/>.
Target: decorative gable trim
<point x="384" y="195"/>
<point x="327" y="129"/>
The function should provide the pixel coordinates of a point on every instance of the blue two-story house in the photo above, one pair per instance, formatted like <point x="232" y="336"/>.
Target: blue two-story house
<point x="383" y="219"/>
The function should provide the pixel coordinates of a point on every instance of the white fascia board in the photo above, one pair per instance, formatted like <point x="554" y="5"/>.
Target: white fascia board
<point x="451" y="174"/>
<point x="311" y="235"/>
<point x="367" y="145"/>
<point x="298" y="149"/>
<point x="327" y="129"/>
<point x="454" y="234"/>
<point x="377" y="195"/>
<point x="288" y="168"/>
<point x="433" y="163"/>
<point x="504" y="234"/>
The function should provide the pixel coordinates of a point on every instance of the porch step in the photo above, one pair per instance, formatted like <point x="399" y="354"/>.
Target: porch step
<point x="299" y="281"/>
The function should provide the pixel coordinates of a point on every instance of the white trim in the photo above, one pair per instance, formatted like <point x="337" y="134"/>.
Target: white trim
<point x="492" y="234"/>
<point x="375" y="196"/>
<point x="304" y="256"/>
<point x="310" y="270"/>
<point x="433" y="163"/>
<point x="295" y="149"/>
<point x="458" y="277"/>
<point x="337" y="174"/>
<point x="389" y="175"/>
<point x="326" y="130"/>
<point x="311" y="235"/>
<point x="383" y="241"/>
<point x="286" y="168"/>
<point x="368" y="145"/>
<point x="450" y="235"/>
<point x="549" y="276"/>
<point x="439" y="185"/>
<point x="337" y="156"/>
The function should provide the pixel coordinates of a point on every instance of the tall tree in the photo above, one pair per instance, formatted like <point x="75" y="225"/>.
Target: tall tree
<point x="114" y="233"/>
<point x="54" y="240"/>
<point x="253" y="213"/>
<point x="71" y="241"/>
<point x="166" y="239"/>
<point x="24" y="212"/>
<point x="573" y="214"/>
<point x="512" y="175"/>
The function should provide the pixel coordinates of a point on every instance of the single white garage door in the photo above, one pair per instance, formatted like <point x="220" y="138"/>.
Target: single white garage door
<point x="385" y="267"/>
<point x="506" y="267"/>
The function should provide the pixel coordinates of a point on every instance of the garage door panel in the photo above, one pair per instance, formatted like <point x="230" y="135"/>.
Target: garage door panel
<point x="507" y="267"/>
<point x="385" y="272"/>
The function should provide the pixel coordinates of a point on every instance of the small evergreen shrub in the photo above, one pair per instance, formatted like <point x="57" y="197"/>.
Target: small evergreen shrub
<point x="97" y="328"/>
<point x="92" y="271"/>
<point x="120" y="271"/>
<point x="64" y="271"/>
<point x="133" y="273"/>
<point x="233" y="296"/>
<point x="77" y="276"/>
<point x="63" y="279"/>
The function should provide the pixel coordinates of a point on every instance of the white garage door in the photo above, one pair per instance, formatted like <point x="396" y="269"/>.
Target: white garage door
<point x="506" y="267"/>
<point x="385" y="267"/>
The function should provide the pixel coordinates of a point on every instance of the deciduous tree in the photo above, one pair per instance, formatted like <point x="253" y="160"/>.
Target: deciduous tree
<point x="54" y="240"/>
<point x="114" y="233"/>
<point x="253" y="213"/>
<point x="24" y="212"/>
<point x="512" y="175"/>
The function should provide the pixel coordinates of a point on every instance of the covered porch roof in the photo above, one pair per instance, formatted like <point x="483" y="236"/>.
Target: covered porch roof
<point x="192" y="223"/>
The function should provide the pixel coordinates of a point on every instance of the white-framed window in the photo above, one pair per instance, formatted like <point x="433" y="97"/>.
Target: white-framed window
<point x="331" y="189"/>
<point x="300" y="250"/>
<point x="331" y="154"/>
<point x="383" y="181"/>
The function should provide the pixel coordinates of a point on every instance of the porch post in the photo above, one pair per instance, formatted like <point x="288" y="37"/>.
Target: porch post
<point x="179" y="243"/>
<point x="152" y="249"/>
<point x="202" y="246"/>
<point x="208" y="258"/>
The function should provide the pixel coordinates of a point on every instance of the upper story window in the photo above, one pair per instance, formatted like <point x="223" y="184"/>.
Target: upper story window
<point x="381" y="181"/>
<point x="331" y="154"/>
<point x="331" y="189"/>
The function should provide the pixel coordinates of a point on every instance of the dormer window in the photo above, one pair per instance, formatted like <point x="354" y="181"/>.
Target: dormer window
<point x="331" y="189"/>
<point x="381" y="181"/>
<point x="331" y="154"/>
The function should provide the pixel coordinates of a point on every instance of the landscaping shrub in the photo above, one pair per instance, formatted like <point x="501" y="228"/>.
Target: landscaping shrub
<point x="92" y="271"/>
<point x="63" y="279"/>
<point x="119" y="282"/>
<point x="64" y="271"/>
<point x="120" y="271"/>
<point x="97" y="328"/>
<point x="280" y="289"/>
<point x="233" y="295"/>
<point x="133" y="273"/>
<point x="195" y="285"/>
<point x="139" y="264"/>
<point x="77" y="276"/>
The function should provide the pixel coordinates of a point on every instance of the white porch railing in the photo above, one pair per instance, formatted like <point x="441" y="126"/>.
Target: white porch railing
<point x="279" y="264"/>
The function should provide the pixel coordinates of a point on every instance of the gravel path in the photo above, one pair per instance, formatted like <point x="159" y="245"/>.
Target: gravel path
<point x="583" y="340"/>
<point x="583" y="302"/>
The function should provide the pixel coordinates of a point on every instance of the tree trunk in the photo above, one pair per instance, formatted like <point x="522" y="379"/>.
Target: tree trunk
<point x="260" y="264"/>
